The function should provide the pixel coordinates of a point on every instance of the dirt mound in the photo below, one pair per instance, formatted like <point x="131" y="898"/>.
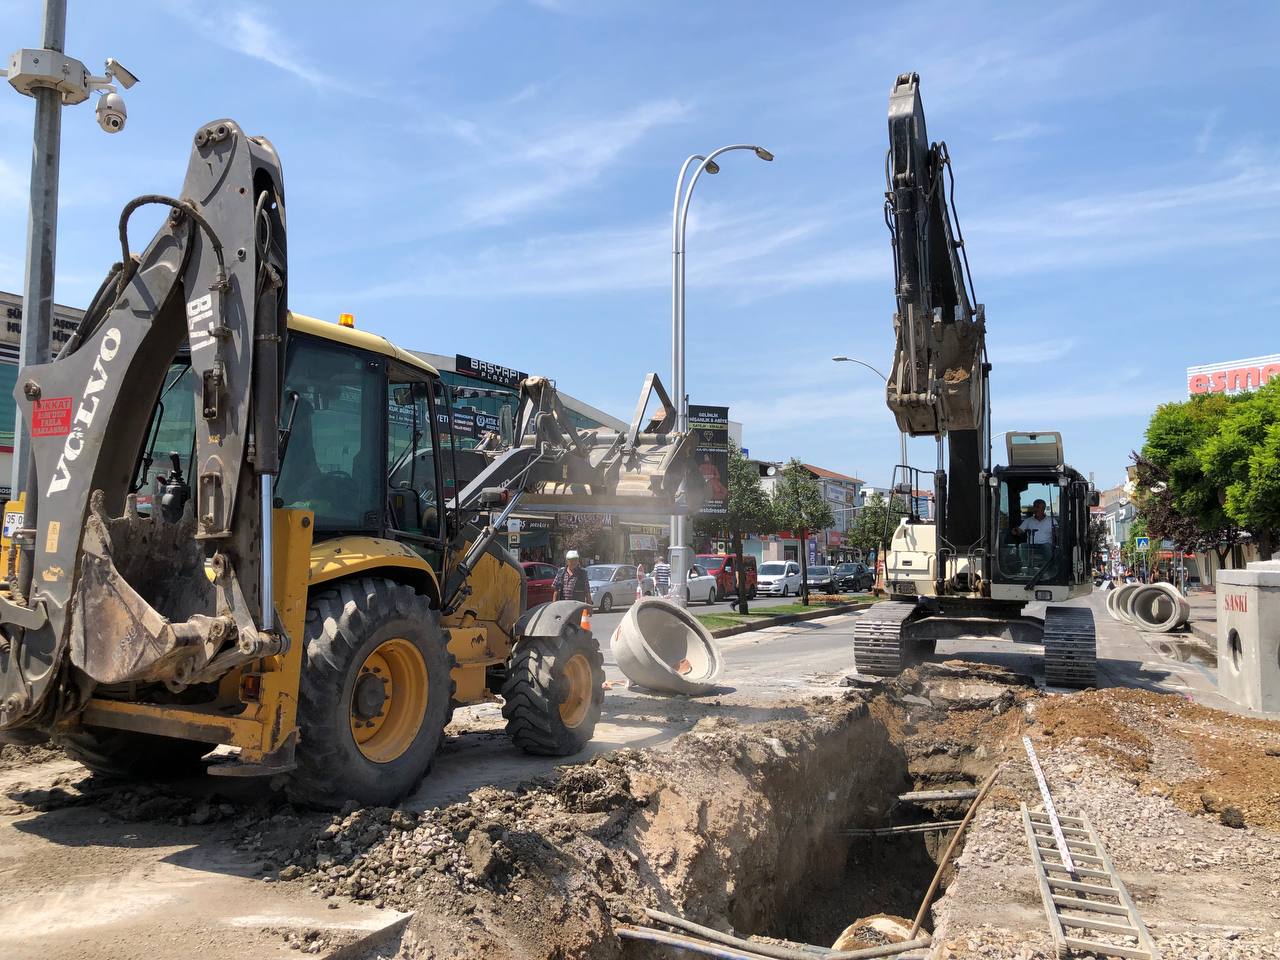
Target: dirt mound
<point x="14" y="755"/>
<point x="1207" y="761"/>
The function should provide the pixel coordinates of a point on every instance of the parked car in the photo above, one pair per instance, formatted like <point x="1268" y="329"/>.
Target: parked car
<point x="822" y="579"/>
<point x="612" y="585"/>
<point x="701" y="586"/>
<point x="854" y="576"/>
<point x="539" y="582"/>
<point x="778" y="578"/>
<point x="721" y="566"/>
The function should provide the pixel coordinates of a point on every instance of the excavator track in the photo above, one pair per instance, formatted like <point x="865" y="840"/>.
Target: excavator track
<point x="879" y="647"/>
<point x="1070" y="647"/>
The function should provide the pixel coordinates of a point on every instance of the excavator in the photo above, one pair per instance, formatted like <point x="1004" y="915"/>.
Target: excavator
<point x="1002" y="536"/>
<point x="244" y="527"/>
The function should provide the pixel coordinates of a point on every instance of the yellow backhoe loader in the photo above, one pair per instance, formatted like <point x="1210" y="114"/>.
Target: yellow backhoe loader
<point x="243" y="526"/>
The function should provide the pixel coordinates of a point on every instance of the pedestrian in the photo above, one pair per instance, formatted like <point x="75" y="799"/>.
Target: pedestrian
<point x="639" y="581"/>
<point x="571" y="581"/>
<point x="662" y="577"/>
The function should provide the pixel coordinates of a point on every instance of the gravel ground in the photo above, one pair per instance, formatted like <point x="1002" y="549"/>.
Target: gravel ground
<point x="1206" y="890"/>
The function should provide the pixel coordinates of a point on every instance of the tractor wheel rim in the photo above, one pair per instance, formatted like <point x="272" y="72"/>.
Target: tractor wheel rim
<point x="385" y="735"/>
<point x="577" y="699"/>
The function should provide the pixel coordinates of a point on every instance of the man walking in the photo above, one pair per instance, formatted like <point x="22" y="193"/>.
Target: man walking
<point x="571" y="581"/>
<point x="662" y="577"/>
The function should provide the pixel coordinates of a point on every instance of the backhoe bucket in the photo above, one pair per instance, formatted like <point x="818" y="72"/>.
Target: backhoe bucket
<point x="651" y="470"/>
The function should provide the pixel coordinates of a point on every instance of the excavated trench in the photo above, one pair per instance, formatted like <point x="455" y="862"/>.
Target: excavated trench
<point x="743" y="827"/>
<point x="806" y="877"/>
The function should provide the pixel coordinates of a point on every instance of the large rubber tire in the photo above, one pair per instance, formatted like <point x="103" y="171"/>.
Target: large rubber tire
<point x="545" y="715"/>
<point x="126" y="755"/>
<point x="345" y="624"/>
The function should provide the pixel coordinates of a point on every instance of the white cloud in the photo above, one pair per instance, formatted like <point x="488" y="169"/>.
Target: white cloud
<point x="1205" y="137"/>
<point x="242" y="28"/>
<point x="1036" y="351"/>
<point x="1023" y="131"/>
<point x="754" y="253"/>
<point x="559" y="161"/>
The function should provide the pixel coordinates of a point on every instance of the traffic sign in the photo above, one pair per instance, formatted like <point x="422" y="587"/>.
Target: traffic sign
<point x="1144" y="543"/>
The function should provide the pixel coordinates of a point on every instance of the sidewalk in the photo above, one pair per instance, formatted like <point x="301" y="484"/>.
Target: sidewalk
<point x="1204" y="616"/>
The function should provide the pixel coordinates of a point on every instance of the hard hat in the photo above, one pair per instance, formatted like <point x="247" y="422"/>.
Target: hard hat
<point x="571" y="555"/>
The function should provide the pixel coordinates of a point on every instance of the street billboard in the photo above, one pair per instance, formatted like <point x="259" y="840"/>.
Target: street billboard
<point x="711" y="429"/>
<point x="1233" y="376"/>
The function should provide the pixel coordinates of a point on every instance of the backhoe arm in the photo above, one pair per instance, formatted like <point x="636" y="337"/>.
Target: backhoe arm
<point x="106" y="595"/>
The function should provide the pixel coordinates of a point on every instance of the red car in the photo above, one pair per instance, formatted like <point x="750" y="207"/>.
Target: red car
<point x="720" y="566"/>
<point x="539" y="582"/>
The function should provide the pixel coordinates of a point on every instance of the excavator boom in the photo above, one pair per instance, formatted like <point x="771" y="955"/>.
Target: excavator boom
<point x="937" y="384"/>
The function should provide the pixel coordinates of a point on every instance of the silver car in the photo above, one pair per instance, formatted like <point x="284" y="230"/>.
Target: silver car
<point x="778" y="578"/>
<point x="612" y="585"/>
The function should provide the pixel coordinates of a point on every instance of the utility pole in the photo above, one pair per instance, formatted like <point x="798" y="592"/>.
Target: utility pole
<point x="53" y="80"/>
<point x="42" y="232"/>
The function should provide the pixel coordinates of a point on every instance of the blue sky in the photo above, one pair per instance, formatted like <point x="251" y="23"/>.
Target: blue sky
<point x="495" y="179"/>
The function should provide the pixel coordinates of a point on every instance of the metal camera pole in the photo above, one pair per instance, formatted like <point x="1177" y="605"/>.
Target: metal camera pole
<point x="42" y="231"/>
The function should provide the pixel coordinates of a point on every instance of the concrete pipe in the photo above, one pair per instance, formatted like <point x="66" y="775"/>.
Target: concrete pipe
<point x="1111" y="603"/>
<point x="663" y="647"/>
<point x="1159" y="607"/>
<point x="1123" y="597"/>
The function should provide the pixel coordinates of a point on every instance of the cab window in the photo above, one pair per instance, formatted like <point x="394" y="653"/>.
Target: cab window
<point x="333" y="464"/>
<point x="413" y="480"/>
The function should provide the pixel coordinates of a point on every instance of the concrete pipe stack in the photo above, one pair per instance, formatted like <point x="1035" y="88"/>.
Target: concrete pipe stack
<point x="1158" y="607"/>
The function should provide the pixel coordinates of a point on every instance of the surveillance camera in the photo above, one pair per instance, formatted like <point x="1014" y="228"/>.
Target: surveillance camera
<point x="111" y="112"/>
<point x="116" y="69"/>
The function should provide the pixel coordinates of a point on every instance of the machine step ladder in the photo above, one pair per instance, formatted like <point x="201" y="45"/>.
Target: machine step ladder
<point x="1082" y="891"/>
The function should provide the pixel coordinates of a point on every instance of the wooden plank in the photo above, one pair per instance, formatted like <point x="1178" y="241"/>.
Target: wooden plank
<point x="1086" y="872"/>
<point x="1050" y="909"/>
<point x="1081" y="887"/>
<point x="1108" y="949"/>
<point x="1123" y="929"/>
<point x="1118" y="909"/>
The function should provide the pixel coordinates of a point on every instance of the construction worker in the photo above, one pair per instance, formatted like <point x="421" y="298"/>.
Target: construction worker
<point x="571" y="581"/>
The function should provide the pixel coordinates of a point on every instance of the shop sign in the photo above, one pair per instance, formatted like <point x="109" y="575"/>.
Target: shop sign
<point x="1233" y="376"/>
<point x="488" y="372"/>
<point x="643" y="541"/>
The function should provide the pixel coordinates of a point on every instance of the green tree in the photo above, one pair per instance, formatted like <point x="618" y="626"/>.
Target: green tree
<point x="1176" y="497"/>
<point x="750" y="511"/>
<point x="799" y="505"/>
<point x="876" y="518"/>
<point x="1242" y="461"/>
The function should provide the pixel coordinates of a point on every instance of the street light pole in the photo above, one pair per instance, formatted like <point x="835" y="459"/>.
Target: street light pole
<point x="902" y="436"/>
<point x="679" y="220"/>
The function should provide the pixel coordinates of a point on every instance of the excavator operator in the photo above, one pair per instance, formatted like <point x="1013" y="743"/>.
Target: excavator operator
<point x="1038" y="529"/>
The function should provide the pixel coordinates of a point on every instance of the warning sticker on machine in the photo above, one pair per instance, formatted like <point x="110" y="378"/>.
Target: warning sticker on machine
<point x="51" y="418"/>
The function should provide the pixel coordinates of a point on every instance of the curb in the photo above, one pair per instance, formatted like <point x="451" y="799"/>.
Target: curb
<point x="1208" y="636"/>
<point x="791" y="618"/>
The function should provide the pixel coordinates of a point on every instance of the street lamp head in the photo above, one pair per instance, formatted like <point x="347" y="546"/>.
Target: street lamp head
<point x="763" y="154"/>
<point x="841" y="359"/>
<point x="711" y="167"/>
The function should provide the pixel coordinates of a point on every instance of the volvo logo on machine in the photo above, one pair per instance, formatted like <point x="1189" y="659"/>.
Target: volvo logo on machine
<point x="57" y="421"/>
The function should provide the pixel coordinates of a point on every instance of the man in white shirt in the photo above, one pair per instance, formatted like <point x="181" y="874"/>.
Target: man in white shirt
<point x="1039" y="528"/>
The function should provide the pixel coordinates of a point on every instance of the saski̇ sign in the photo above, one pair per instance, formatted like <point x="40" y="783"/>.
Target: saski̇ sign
<point x="1234" y="376"/>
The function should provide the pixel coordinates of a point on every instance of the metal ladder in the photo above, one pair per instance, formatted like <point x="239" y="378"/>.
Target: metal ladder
<point x="1082" y="890"/>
